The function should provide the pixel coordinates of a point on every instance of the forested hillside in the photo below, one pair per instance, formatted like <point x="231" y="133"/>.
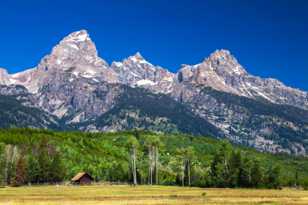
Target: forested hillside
<point x="138" y="108"/>
<point x="14" y="114"/>
<point x="40" y="156"/>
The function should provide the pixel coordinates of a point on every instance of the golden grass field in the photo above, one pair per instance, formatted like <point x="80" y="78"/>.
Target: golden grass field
<point x="146" y="195"/>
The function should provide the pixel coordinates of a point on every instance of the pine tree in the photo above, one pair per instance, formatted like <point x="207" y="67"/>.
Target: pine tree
<point x="44" y="163"/>
<point x="273" y="177"/>
<point x="256" y="174"/>
<point x="296" y="180"/>
<point x="245" y="173"/>
<point x="235" y="165"/>
<point x="57" y="170"/>
<point x="33" y="170"/>
<point x="220" y="167"/>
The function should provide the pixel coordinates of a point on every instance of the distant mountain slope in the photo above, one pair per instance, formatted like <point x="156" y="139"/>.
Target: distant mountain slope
<point x="14" y="114"/>
<point x="139" y="108"/>
<point x="256" y="123"/>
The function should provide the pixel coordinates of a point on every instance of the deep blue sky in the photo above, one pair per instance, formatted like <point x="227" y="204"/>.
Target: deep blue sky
<point x="269" y="38"/>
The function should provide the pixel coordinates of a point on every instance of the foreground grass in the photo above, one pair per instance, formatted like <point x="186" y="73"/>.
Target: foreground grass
<point x="146" y="195"/>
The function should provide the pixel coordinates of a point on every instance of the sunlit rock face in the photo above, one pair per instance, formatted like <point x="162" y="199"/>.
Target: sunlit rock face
<point x="136" y="71"/>
<point x="222" y="72"/>
<point x="76" y="54"/>
<point x="4" y="77"/>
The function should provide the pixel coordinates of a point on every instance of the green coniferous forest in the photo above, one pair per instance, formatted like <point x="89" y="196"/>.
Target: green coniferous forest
<point x="140" y="157"/>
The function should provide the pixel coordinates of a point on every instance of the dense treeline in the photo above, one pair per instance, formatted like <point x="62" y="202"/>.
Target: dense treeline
<point x="40" y="156"/>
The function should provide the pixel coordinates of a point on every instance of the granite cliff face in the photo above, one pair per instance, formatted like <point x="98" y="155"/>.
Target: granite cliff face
<point x="76" y="89"/>
<point x="4" y="76"/>
<point x="135" y="71"/>
<point x="76" y="55"/>
<point x="221" y="71"/>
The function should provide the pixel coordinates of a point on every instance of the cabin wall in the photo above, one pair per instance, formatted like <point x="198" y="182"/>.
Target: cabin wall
<point x="85" y="180"/>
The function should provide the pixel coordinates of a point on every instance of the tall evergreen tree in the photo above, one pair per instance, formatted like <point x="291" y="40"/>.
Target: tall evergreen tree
<point x="256" y="174"/>
<point x="245" y="173"/>
<point x="235" y="166"/>
<point x="57" y="170"/>
<point x="33" y="169"/>
<point x="220" y="167"/>
<point x="273" y="176"/>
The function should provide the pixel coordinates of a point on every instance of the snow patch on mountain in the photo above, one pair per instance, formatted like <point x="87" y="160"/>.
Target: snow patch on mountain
<point x="144" y="82"/>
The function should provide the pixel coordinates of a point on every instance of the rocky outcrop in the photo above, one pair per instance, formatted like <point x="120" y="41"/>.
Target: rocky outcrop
<point x="4" y="77"/>
<point x="76" y="54"/>
<point x="222" y="72"/>
<point x="135" y="71"/>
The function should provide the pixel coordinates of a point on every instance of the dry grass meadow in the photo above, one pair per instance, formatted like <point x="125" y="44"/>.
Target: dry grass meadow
<point x="146" y="195"/>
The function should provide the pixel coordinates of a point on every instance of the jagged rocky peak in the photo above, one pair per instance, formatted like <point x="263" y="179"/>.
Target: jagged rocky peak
<point x="137" y="71"/>
<point x="223" y="62"/>
<point x="137" y="56"/>
<point x="3" y="72"/>
<point x="137" y="59"/>
<point x="77" y="54"/>
<point x="219" y="67"/>
<point x="4" y="76"/>
<point x="130" y="64"/>
<point x="185" y="73"/>
<point x="78" y="36"/>
<point x="221" y="54"/>
<point x="133" y="69"/>
<point x="76" y="48"/>
<point x="222" y="72"/>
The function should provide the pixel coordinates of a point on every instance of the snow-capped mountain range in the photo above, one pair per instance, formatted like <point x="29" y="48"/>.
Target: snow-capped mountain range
<point x="78" y="87"/>
<point x="77" y="54"/>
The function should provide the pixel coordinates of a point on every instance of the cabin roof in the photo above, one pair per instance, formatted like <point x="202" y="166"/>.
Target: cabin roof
<point x="80" y="175"/>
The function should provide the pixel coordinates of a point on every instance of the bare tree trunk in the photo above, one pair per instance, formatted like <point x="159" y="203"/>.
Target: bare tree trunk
<point x="8" y="154"/>
<point x="150" y="165"/>
<point x="156" y="165"/>
<point x="183" y="174"/>
<point x="134" y="165"/>
<point x="188" y="171"/>
<point x="11" y="155"/>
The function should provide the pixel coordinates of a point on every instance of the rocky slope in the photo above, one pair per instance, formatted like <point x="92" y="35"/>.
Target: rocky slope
<point x="255" y="123"/>
<point x="222" y="72"/>
<point x="135" y="71"/>
<point x="16" y="111"/>
<point x="136" y="108"/>
<point x="4" y="77"/>
<point x="74" y="87"/>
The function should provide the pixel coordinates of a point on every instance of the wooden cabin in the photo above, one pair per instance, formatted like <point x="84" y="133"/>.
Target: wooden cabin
<point x="82" y="178"/>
